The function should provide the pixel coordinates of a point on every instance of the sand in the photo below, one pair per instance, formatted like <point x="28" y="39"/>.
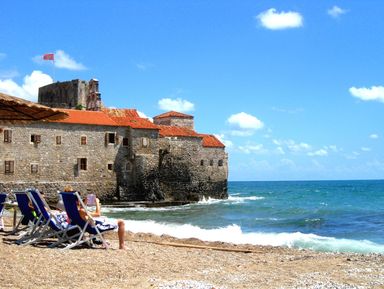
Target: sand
<point x="162" y="262"/>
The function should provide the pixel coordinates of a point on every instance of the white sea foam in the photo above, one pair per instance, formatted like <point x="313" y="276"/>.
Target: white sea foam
<point x="234" y="234"/>
<point x="237" y="199"/>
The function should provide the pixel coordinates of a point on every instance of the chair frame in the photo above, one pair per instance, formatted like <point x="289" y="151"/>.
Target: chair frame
<point x="89" y="229"/>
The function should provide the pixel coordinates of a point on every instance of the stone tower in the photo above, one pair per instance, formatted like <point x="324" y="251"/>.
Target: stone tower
<point x="73" y="94"/>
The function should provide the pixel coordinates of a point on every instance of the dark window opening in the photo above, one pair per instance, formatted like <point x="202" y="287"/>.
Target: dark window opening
<point x="220" y="163"/>
<point x="110" y="167"/>
<point x="58" y="139"/>
<point x="211" y="162"/>
<point x="35" y="138"/>
<point x="83" y="140"/>
<point x="7" y="135"/>
<point x="9" y="167"/>
<point x="34" y="168"/>
<point x="83" y="164"/>
<point x="125" y="141"/>
<point x="202" y="163"/>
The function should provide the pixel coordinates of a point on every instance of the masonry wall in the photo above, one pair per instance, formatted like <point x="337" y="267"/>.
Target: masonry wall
<point x="184" y="177"/>
<point x="175" y="121"/>
<point x="58" y="164"/>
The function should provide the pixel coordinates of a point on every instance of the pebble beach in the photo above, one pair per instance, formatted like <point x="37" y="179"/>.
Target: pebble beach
<point x="152" y="261"/>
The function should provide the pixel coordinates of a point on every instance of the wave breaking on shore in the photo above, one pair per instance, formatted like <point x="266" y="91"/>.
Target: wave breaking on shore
<point x="234" y="234"/>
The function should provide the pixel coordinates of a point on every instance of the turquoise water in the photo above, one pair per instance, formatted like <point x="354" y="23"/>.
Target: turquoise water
<point x="342" y="216"/>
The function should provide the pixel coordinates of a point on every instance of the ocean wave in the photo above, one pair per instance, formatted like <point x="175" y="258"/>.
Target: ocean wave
<point x="143" y="209"/>
<point x="234" y="234"/>
<point x="243" y="199"/>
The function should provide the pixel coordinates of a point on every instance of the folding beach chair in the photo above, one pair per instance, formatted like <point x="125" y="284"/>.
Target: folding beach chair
<point x="89" y="228"/>
<point x="3" y="196"/>
<point x="51" y="226"/>
<point x="29" y="218"/>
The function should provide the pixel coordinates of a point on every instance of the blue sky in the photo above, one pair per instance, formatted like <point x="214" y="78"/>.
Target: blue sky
<point x="295" y="89"/>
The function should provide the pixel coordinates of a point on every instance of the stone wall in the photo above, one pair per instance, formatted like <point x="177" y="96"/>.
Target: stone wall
<point x="71" y="94"/>
<point x="175" y="121"/>
<point x="183" y="176"/>
<point x="60" y="164"/>
<point x="137" y="165"/>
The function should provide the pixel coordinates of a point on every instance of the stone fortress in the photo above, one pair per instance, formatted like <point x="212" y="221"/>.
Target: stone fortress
<point x="114" y="153"/>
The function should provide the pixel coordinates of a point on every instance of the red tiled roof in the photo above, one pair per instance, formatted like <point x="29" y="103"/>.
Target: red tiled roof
<point x="211" y="141"/>
<point x="166" y="130"/>
<point x="129" y="117"/>
<point x="110" y="117"/>
<point x="174" y="114"/>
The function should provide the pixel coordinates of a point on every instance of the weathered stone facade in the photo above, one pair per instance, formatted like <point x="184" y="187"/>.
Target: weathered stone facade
<point x="72" y="94"/>
<point x="115" y="154"/>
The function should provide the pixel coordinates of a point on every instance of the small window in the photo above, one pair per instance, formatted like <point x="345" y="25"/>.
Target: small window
<point x="9" y="167"/>
<point x="35" y="138"/>
<point x="83" y="140"/>
<point x="220" y="163"/>
<point x="34" y="168"/>
<point x="110" y="138"/>
<point x="110" y="167"/>
<point x="82" y="164"/>
<point x="202" y="163"/>
<point x="58" y="139"/>
<point x="211" y="162"/>
<point x="125" y="142"/>
<point x="7" y="135"/>
<point x="145" y="142"/>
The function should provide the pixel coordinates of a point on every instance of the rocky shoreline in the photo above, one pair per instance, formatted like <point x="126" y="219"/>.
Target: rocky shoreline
<point x="166" y="262"/>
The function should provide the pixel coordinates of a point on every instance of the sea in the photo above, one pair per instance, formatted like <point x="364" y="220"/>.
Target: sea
<point x="327" y="216"/>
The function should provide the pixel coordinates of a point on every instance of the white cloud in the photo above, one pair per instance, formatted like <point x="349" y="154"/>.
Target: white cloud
<point x="292" y="146"/>
<point x="271" y="19"/>
<point x="30" y="87"/>
<point x="177" y="104"/>
<point x="336" y="11"/>
<point x="280" y="151"/>
<point x="62" y="60"/>
<point x="252" y="148"/>
<point x="244" y="120"/>
<point x="244" y="124"/>
<point x="143" y="115"/>
<point x="365" y="149"/>
<point x="318" y="153"/>
<point x="366" y="94"/>
<point x="374" y="136"/>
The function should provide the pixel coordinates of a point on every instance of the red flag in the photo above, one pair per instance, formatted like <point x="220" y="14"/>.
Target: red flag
<point x="49" y="56"/>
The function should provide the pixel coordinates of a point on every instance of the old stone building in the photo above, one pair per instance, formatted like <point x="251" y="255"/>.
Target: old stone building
<point x="112" y="152"/>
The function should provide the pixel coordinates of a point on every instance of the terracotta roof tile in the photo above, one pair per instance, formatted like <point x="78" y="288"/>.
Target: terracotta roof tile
<point x="211" y="141"/>
<point x="166" y="130"/>
<point x="115" y="117"/>
<point x="174" y="114"/>
<point x="87" y="117"/>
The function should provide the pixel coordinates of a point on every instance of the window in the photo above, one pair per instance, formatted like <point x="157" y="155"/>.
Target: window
<point x="82" y="162"/>
<point x="7" y="135"/>
<point x="220" y="163"/>
<point x="9" y="167"/>
<point x="211" y="162"/>
<point x="35" y="138"/>
<point x="110" y="167"/>
<point x="145" y="142"/>
<point x="110" y="138"/>
<point x="34" y="168"/>
<point x="202" y="163"/>
<point x="58" y="139"/>
<point x="125" y="142"/>
<point x="83" y="140"/>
